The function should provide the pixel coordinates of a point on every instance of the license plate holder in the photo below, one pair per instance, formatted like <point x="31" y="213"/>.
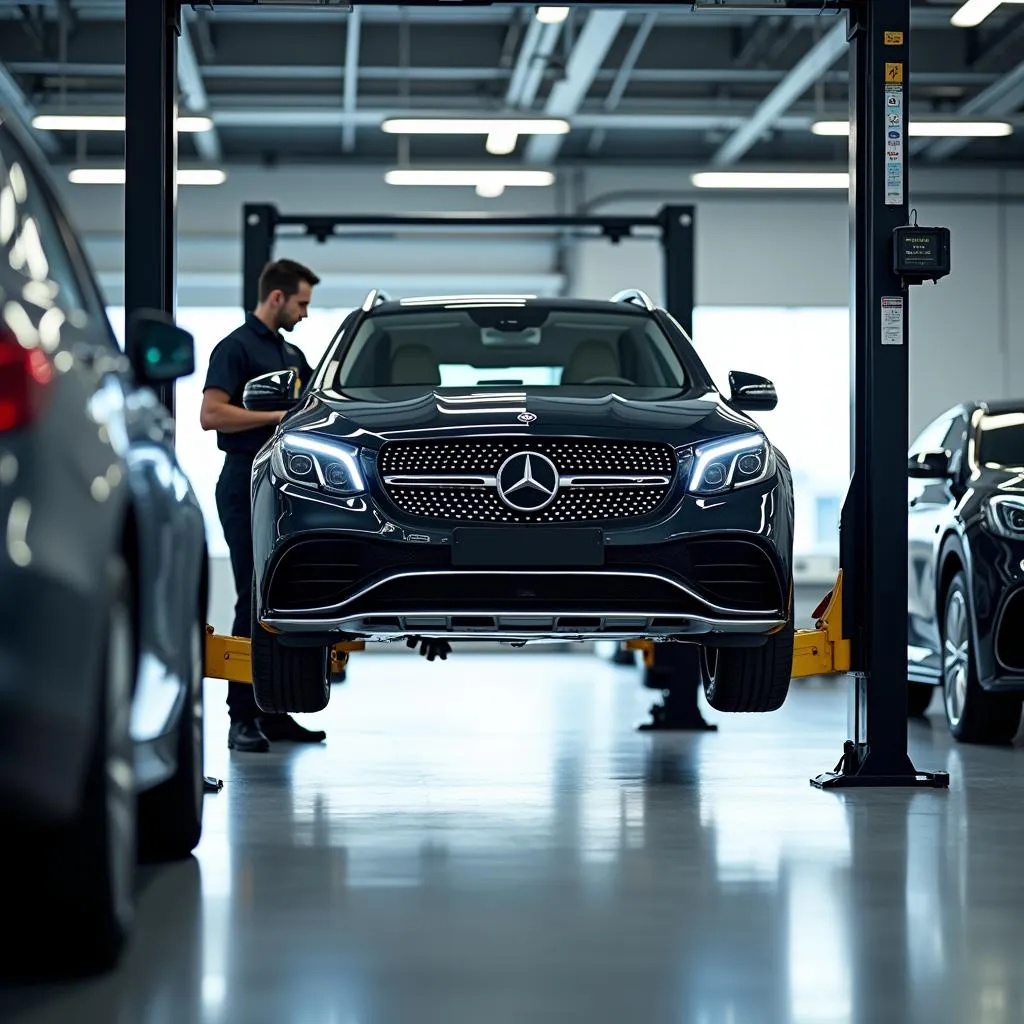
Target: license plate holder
<point x="529" y="548"/>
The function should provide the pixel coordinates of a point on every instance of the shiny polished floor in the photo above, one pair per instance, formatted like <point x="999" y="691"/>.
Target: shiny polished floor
<point x="488" y="840"/>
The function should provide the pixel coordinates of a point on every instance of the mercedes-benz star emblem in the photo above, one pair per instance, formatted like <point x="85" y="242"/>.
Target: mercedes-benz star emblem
<point x="526" y="417"/>
<point x="527" y="481"/>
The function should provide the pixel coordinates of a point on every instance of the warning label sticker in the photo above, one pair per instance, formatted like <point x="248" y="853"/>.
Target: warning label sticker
<point x="893" y="38"/>
<point x="894" y="158"/>
<point x="893" y="73"/>
<point x="892" y="319"/>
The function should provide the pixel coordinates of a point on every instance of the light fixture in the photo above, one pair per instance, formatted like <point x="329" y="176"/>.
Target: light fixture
<point x="973" y="12"/>
<point x="116" y="176"/>
<point x="107" y="123"/>
<point x="930" y="129"/>
<point x="470" y="179"/>
<point x="475" y="125"/>
<point x="501" y="143"/>
<point x="552" y="15"/>
<point x="772" y="179"/>
<point x="490" y="189"/>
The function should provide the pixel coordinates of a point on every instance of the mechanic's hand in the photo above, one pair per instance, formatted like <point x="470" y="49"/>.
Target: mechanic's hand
<point x="431" y="649"/>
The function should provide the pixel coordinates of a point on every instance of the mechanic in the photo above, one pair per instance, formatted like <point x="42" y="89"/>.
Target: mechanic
<point x="255" y="348"/>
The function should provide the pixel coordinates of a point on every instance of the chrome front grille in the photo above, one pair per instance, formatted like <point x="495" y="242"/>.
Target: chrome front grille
<point x="596" y="480"/>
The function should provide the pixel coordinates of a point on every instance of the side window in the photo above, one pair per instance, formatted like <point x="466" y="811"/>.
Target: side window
<point x="954" y="441"/>
<point x="32" y="240"/>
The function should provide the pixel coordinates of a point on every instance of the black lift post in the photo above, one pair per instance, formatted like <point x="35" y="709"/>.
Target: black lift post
<point x="873" y="544"/>
<point x="874" y="527"/>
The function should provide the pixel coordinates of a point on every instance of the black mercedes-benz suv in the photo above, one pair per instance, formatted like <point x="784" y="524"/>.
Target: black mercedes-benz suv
<point x="519" y="469"/>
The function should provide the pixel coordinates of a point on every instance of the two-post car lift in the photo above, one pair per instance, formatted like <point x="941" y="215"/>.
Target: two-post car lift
<point x="856" y="632"/>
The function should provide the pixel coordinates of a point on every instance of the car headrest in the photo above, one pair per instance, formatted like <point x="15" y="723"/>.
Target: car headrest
<point x="591" y="359"/>
<point x="415" y="364"/>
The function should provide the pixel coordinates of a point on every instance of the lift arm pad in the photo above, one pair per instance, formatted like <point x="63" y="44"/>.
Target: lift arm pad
<point x="228" y="657"/>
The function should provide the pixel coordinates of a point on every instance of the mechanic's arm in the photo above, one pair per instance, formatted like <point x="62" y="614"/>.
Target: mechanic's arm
<point x="217" y="413"/>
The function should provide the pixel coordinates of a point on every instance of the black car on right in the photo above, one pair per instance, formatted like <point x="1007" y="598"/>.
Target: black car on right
<point x="965" y="503"/>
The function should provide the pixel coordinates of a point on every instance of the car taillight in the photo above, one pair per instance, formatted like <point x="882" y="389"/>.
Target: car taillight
<point x="24" y="374"/>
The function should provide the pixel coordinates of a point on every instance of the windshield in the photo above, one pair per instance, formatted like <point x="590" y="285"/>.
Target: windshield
<point x="505" y="346"/>
<point x="1001" y="440"/>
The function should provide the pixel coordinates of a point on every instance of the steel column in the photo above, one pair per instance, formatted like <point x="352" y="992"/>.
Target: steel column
<point x="259" y="222"/>
<point x="677" y="244"/>
<point x="874" y="525"/>
<point x="151" y="158"/>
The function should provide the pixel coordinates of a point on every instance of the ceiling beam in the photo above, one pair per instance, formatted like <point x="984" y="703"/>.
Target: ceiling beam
<point x="14" y="98"/>
<point x="193" y="94"/>
<point x="621" y="80"/>
<point x="592" y="45"/>
<point x="534" y="54"/>
<point x="1001" y="99"/>
<point x="821" y="56"/>
<point x="350" y="92"/>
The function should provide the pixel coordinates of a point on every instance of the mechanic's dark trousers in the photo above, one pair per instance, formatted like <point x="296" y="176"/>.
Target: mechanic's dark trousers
<point x="236" y="518"/>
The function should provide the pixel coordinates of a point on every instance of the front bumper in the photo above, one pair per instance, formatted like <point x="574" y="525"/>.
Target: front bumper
<point x="329" y="568"/>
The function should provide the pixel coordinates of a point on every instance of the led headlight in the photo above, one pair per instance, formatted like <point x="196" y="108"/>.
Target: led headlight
<point x="724" y="465"/>
<point x="1004" y="515"/>
<point x="310" y="462"/>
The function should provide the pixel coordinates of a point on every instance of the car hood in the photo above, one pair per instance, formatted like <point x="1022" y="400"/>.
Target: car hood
<point x="369" y="418"/>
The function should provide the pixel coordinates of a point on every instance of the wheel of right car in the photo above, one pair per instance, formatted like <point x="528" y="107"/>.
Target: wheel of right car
<point x="749" y="679"/>
<point x="974" y="714"/>
<point x="284" y="678"/>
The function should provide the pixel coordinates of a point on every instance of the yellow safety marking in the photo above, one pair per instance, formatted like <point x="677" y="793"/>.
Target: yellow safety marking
<point x="893" y="38"/>
<point x="893" y="74"/>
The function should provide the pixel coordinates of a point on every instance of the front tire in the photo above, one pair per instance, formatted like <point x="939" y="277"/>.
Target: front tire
<point x="750" y="679"/>
<point x="974" y="715"/>
<point x="73" y="890"/>
<point x="286" y="679"/>
<point x="171" y="814"/>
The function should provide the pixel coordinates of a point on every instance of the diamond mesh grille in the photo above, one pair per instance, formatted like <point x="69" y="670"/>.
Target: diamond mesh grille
<point x="571" y="505"/>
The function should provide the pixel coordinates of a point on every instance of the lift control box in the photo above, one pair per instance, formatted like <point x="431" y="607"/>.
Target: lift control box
<point x="920" y="254"/>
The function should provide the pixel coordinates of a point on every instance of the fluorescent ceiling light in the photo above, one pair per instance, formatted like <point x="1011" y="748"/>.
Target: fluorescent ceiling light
<point x="469" y="179"/>
<point x="475" y="125"/>
<point x="115" y="176"/>
<point x="930" y="129"/>
<point x="107" y="123"/>
<point x="490" y="189"/>
<point x="552" y="15"/>
<point x="502" y="143"/>
<point x="974" y="12"/>
<point x="771" y="179"/>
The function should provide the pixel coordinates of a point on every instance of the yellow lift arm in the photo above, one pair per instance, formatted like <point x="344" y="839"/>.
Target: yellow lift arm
<point x="816" y="652"/>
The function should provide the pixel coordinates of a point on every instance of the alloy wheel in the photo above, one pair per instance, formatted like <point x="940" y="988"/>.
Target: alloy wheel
<point x="956" y="655"/>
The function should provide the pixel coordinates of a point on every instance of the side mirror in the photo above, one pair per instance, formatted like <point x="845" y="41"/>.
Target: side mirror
<point x="271" y="392"/>
<point x="157" y="348"/>
<point x="928" y="465"/>
<point x="751" y="393"/>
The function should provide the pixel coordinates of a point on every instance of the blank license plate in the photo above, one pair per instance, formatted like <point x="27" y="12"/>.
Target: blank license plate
<point x="527" y="548"/>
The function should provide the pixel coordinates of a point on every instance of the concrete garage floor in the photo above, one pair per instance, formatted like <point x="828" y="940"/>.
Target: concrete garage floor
<point x="488" y="840"/>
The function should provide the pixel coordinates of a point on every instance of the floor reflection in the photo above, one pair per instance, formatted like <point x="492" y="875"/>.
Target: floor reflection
<point x="490" y="841"/>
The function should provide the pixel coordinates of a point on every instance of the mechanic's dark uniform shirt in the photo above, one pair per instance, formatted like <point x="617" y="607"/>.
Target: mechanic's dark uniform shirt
<point x="250" y="351"/>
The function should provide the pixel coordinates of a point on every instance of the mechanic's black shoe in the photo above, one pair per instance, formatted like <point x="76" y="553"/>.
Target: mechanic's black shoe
<point x="284" y="728"/>
<point x="246" y="736"/>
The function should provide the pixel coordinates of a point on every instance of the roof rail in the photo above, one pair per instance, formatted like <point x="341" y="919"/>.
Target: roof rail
<point x="374" y="298"/>
<point x="635" y="297"/>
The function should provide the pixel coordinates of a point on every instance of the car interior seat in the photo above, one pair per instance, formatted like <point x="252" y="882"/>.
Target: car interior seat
<point x="591" y="359"/>
<point x="415" y="364"/>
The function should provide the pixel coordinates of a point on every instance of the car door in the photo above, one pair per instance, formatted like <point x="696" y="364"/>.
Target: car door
<point x="930" y="503"/>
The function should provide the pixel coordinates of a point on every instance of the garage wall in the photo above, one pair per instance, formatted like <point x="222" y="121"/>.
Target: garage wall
<point x="966" y="332"/>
